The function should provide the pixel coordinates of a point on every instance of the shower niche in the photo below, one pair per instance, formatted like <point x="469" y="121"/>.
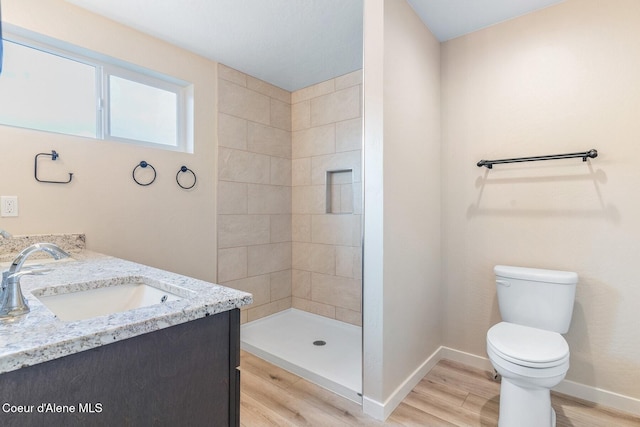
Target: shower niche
<point x="339" y="189"/>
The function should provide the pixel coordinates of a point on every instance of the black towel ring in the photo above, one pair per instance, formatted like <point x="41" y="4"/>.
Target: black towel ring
<point x="184" y="169"/>
<point x="143" y="165"/>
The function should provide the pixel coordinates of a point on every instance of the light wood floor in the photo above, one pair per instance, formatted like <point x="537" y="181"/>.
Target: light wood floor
<point x="451" y="394"/>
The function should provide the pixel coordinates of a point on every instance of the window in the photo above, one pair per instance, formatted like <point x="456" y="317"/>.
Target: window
<point x="141" y="112"/>
<point x="68" y="90"/>
<point x="42" y="91"/>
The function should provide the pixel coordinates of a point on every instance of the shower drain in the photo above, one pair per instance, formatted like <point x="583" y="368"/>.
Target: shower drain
<point x="319" y="343"/>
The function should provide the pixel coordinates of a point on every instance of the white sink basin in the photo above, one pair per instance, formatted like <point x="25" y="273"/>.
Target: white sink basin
<point x="91" y="299"/>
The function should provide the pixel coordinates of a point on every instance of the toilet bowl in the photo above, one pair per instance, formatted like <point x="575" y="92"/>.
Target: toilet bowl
<point x="531" y="361"/>
<point x="526" y="348"/>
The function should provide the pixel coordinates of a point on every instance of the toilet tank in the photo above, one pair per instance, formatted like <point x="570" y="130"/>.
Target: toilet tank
<point x="535" y="297"/>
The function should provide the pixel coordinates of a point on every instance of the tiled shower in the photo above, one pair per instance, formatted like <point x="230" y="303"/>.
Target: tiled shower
<point x="289" y="222"/>
<point x="290" y="195"/>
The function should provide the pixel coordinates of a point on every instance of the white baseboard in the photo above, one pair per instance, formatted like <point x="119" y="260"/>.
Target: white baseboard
<point x="374" y="409"/>
<point x="468" y="359"/>
<point x="599" y="396"/>
<point x="381" y="411"/>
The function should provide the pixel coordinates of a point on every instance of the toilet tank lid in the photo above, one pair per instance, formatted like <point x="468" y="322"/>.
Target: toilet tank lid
<point x="536" y="274"/>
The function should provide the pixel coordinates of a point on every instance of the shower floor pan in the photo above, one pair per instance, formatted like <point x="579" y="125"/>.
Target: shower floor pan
<point x="324" y="351"/>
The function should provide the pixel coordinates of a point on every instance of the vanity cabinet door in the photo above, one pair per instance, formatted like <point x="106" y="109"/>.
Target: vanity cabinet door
<point x="182" y="375"/>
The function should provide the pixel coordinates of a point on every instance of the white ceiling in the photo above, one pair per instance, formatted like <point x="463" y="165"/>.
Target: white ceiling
<point x="448" y="19"/>
<point x="291" y="43"/>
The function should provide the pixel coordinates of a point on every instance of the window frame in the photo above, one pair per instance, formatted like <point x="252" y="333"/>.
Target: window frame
<point x="109" y="70"/>
<point x="106" y="66"/>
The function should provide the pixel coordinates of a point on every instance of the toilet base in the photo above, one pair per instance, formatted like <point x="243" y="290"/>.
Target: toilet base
<point x="525" y="407"/>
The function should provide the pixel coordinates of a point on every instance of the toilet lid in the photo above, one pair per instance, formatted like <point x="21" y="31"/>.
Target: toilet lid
<point x="527" y="346"/>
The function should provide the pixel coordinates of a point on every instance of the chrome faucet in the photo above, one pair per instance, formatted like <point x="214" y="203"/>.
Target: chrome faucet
<point x="12" y="302"/>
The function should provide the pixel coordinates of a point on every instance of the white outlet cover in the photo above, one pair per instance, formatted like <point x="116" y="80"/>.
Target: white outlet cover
<point x="8" y="206"/>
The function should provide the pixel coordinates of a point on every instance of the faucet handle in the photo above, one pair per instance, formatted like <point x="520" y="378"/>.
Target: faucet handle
<point x="36" y="271"/>
<point x="32" y="271"/>
<point x="37" y="267"/>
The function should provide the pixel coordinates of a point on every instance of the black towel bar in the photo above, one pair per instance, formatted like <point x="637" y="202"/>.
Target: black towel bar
<point x="591" y="153"/>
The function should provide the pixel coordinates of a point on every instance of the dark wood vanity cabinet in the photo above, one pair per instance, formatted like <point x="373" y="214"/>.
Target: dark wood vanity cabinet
<point x="184" y="375"/>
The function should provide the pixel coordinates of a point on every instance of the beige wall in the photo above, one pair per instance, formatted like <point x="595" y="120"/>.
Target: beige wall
<point x="562" y="79"/>
<point x="402" y="291"/>
<point x="254" y="197"/>
<point x="327" y="252"/>
<point x="159" y="225"/>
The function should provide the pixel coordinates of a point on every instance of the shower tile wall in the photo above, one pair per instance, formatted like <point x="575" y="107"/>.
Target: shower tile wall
<point x="327" y="136"/>
<point x="275" y="238"/>
<point x="254" y="191"/>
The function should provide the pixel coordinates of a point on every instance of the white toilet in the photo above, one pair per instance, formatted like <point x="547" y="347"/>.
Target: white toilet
<point x="526" y="348"/>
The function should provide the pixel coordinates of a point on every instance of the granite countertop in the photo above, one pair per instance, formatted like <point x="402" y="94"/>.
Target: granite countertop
<point x="39" y="336"/>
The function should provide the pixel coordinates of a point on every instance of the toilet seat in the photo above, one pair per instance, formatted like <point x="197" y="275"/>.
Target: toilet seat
<point x="526" y="346"/>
